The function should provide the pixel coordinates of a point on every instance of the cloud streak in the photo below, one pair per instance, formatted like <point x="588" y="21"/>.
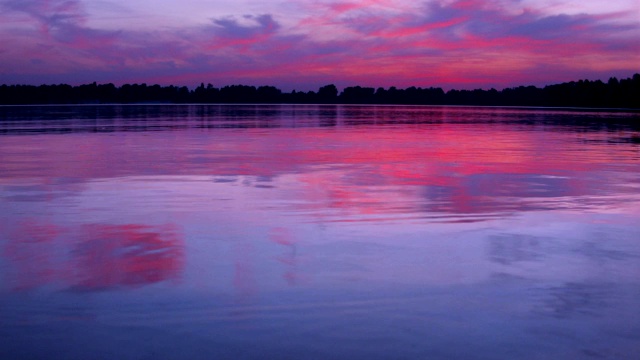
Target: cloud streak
<point x="462" y="43"/>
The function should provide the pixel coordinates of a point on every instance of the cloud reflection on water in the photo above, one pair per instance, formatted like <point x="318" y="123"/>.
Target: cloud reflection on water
<point x="368" y="238"/>
<point x="372" y="166"/>
<point x="360" y="168"/>
<point x="92" y="257"/>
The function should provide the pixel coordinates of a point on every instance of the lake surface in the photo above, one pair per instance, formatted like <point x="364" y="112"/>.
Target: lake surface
<point x="318" y="232"/>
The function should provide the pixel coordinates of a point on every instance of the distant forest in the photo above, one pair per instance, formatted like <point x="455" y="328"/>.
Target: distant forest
<point x="624" y="93"/>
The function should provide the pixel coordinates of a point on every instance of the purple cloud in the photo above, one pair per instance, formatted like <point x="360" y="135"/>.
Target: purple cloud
<point x="375" y="43"/>
<point x="259" y="25"/>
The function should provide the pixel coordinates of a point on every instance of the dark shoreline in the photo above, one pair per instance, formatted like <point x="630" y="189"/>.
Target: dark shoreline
<point x="266" y="105"/>
<point x="583" y="94"/>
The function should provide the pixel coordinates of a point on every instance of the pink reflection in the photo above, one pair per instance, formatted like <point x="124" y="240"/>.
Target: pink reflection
<point x="450" y="162"/>
<point x="127" y="255"/>
<point x="93" y="257"/>
<point x="283" y="237"/>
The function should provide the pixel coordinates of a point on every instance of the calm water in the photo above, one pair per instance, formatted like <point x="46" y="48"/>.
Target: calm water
<point x="318" y="232"/>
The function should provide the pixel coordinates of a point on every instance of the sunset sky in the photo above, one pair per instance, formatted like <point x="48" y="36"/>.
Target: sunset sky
<point x="305" y="44"/>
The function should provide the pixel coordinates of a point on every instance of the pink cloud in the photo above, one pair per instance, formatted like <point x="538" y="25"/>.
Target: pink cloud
<point x="375" y="43"/>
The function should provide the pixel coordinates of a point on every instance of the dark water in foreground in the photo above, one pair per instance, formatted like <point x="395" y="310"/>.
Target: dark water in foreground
<point x="318" y="232"/>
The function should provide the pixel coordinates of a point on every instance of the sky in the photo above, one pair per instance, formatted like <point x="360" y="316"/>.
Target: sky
<point x="302" y="45"/>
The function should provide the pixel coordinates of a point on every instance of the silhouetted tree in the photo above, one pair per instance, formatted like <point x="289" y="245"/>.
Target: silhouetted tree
<point x="622" y="93"/>
<point x="268" y="94"/>
<point x="357" y="95"/>
<point x="328" y="94"/>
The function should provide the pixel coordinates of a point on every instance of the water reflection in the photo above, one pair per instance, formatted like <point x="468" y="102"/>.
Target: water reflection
<point x="92" y="257"/>
<point x="507" y="249"/>
<point x="29" y="247"/>
<point x="109" y="256"/>
<point x="318" y="232"/>
<point x="282" y="236"/>
<point x="575" y="299"/>
<point x="62" y="119"/>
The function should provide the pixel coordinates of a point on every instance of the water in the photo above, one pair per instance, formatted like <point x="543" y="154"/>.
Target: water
<point x="318" y="232"/>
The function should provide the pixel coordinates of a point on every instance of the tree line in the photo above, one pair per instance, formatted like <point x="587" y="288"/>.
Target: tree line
<point x="623" y="93"/>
